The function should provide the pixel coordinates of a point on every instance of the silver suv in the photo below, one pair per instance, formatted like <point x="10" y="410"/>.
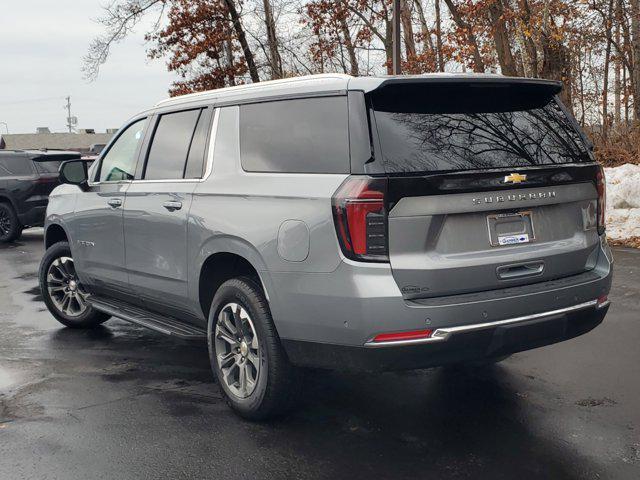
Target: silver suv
<point x="338" y="222"/>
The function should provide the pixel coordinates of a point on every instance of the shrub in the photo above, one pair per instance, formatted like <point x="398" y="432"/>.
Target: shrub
<point x="621" y="146"/>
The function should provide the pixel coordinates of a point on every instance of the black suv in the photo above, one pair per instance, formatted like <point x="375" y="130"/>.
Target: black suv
<point x="26" y="179"/>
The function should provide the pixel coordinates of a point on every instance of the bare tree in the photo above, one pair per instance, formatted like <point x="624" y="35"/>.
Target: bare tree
<point x="242" y="38"/>
<point x="407" y="29"/>
<point x="439" y="36"/>
<point x="635" y="54"/>
<point x="119" y="19"/>
<point x="501" y="39"/>
<point x="429" y="47"/>
<point x="608" y="25"/>
<point x="478" y="62"/>
<point x="274" y="55"/>
<point x="530" y="49"/>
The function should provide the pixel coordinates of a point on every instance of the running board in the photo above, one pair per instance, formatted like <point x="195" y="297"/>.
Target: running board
<point x="145" y="318"/>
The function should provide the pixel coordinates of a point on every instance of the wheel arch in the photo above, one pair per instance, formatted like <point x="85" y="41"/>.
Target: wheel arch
<point x="54" y="233"/>
<point x="4" y="198"/>
<point x="224" y="258"/>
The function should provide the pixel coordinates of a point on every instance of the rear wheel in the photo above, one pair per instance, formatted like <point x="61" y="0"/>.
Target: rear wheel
<point x="62" y="291"/>
<point x="252" y="370"/>
<point x="10" y="228"/>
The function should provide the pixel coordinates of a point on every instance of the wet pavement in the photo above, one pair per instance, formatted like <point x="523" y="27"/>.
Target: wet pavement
<point x="127" y="403"/>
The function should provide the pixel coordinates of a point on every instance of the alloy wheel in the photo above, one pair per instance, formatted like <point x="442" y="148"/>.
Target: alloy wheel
<point x="65" y="291"/>
<point x="237" y="350"/>
<point x="5" y="224"/>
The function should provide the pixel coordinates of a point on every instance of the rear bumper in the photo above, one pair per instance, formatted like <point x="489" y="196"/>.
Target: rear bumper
<point x="446" y="333"/>
<point x="455" y="344"/>
<point x="356" y="302"/>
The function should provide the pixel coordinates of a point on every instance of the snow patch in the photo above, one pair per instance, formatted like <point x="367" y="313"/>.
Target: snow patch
<point x="623" y="201"/>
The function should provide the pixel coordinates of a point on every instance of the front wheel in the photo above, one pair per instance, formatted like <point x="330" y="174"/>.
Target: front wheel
<point x="62" y="291"/>
<point x="252" y="370"/>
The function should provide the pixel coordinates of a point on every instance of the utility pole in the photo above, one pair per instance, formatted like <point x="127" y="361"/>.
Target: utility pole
<point x="397" y="68"/>
<point x="68" y="107"/>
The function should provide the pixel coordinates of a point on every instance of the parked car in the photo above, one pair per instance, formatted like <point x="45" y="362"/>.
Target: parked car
<point x="96" y="148"/>
<point x="26" y="179"/>
<point x="94" y="151"/>
<point x="337" y="222"/>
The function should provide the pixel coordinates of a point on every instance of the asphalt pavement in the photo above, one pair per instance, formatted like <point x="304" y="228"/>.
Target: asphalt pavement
<point x="122" y="402"/>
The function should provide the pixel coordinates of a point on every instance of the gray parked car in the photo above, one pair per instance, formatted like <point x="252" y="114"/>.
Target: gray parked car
<point x="338" y="222"/>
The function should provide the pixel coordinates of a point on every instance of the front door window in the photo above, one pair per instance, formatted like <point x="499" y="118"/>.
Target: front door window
<point x="119" y="163"/>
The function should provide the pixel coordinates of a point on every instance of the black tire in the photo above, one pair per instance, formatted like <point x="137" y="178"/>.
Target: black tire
<point x="277" y="384"/>
<point x="10" y="227"/>
<point x="89" y="318"/>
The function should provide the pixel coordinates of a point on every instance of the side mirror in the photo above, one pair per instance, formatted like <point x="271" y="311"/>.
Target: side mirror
<point x="74" y="172"/>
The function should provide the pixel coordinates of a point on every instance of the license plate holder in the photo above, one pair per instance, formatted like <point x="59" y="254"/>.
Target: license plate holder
<point x="507" y="229"/>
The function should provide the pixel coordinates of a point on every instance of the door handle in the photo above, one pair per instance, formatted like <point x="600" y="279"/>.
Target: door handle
<point x="114" y="202"/>
<point x="172" y="205"/>
<point x="508" y="272"/>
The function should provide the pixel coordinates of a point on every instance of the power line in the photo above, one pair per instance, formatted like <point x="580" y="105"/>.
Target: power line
<point x="31" y="100"/>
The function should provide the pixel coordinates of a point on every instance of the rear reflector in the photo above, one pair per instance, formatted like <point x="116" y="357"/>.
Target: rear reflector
<point x="398" y="336"/>
<point x="51" y="179"/>
<point x="602" y="301"/>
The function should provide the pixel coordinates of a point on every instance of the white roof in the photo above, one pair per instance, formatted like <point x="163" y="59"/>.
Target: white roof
<point x="315" y="83"/>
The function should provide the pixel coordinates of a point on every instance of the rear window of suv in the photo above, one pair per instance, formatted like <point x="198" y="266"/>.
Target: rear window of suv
<point x="450" y="128"/>
<point x="307" y="135"/>
<point x="15" y="166"/>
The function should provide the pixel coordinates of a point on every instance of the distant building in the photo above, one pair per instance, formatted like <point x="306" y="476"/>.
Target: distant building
<point x="79" y="142"/>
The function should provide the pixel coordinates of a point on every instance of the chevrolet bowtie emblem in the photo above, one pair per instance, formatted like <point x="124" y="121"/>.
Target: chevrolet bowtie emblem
<point x="515" y="178"/>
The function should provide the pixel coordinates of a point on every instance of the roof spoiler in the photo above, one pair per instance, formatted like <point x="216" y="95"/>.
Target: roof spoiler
<point x="462" y="94"/>
<point x="56" y="156"/>
<point x="551" y="86"/>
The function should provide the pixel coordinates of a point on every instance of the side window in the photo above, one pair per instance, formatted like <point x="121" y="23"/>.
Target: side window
<point x="295" y="136"/>
<point x="15" y="166"/>
<point x="195" y="161"/>
<point x="170" y="145"/>
<point x="226" y="152"/>
<point x="47" y="167"/>
<point x="119" y="163"/>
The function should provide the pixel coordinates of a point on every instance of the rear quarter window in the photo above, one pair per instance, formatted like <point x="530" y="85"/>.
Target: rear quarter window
<point x="47" y="167"/>
<point x="308" y="135"/>
<point x="15" y="166"/>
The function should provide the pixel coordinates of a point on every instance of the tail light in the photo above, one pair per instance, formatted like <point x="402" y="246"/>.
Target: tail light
<point x="360" y="218"/>
<point x="43" y="179"/>
<point x="601" y="186"/>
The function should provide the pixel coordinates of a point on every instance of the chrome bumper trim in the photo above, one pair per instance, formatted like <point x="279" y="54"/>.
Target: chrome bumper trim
<point x="443" y="334"/>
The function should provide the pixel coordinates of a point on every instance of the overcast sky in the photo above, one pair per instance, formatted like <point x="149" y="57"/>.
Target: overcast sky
<point x="42" y="43"/>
